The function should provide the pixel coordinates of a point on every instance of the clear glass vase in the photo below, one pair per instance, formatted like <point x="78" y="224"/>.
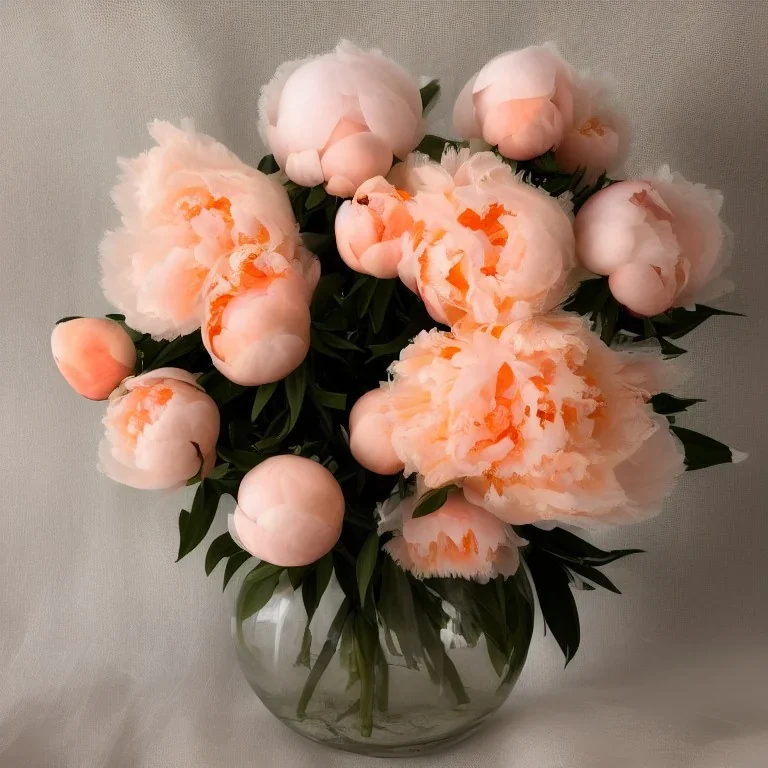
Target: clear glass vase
<point x="419" y="667"/>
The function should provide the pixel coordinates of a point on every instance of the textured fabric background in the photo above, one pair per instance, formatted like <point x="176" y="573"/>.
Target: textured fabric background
<point x="114" y="656"/>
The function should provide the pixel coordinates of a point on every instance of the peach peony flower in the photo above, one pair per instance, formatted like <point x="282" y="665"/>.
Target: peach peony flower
<point x="160" y="428"/>
<point x="661" y="241"/>
<point x="597" y="138"/>
<point x="93" y="354"/>
<point x="538" y="420"/>
<point x="184" y="204"/>
<point x="256" y="313"/>
<point x="289" y="511"/>
<point x="520" y="102"/>
<point x="484" y="245"/>
<point x="370" y="433"/>
<point x="340" y="118"/>
<point x="459" y="540"/>
<point x="369" y="228"/>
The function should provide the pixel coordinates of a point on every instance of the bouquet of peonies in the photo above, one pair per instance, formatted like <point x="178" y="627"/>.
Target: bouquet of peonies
<point x="411" y="359"/>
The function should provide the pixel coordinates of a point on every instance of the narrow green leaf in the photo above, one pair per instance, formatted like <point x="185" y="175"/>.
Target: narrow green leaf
<point x="610" y="319"/>
<point x="334" y="400"/>
<point x="429" y="94"/>
<point x="556" y="600"/>
<point x="268" y="164"/>
<point x="365" y="640"/>
<point x="598" y="577"/>
<point x="432" y="500"/>
<point x="244" y="460"/>
<point x="263" y="395"/>
<point x="317" y="242"/>
<point x="256" y="595"/>
<point x="113" y="316"/>
<point x="434" y="146"/>
<point x="366" y="562"/>
<point x="380" y="303"/>
<point x="233" y="565"/>
<point x="665" y="403"/>
<point x="176" y="349"/>
<point x="668" y="349"/>
<point x="366" y="296"/>
<point x="295" y="386"/>
<point x="338" y="342"/>
<point x="72" y="317"/>
<point x="316" y="196"/>
<point x="195" y="524"/>
<point x="221" y="547"/>
<point x="702" y="451"/>
<point x="317" y="342"/>
<point x="219" y="387"/>
<point x="567" y="546"/>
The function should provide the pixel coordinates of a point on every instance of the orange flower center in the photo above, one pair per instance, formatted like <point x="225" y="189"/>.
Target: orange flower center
<point x="593" y="127"/>
<point x="488" y="223"/>
<point x="141" y="407"/>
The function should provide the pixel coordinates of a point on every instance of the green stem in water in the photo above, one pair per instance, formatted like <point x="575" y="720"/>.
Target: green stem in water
<point x="366" y="639"/>
<point x="324" y="658"/>
<point x="382" y="680"/>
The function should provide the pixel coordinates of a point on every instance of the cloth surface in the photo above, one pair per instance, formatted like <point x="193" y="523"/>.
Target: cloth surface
<point x="114" y="656"/>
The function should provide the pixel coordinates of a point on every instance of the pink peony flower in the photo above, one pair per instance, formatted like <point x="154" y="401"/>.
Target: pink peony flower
<point x="370" y="434"/>
<point x="520" y="102"/>
<point x="537" y="421"/>
<point x="289" y="511"/>
<point x="597" y="138"/>
<point x="661" y="241"/>
<point x="459" y="540"/>
<point x="484" y="246"/>
<point x="340" y="118"/>
<point x="93" y="354"/>
<point x="184" y="204"/>
<point x="161" y="430"/>
<point x="256" y="313"/>
<point x="369" y="228"/>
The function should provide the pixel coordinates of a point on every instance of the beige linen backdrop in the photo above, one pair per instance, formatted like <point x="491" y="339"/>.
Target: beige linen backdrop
<point x="112" y="655"/>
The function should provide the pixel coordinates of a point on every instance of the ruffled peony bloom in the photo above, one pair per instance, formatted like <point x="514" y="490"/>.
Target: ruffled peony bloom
<point x="661" y="241"/>
<point x="340" y="118"/>
<point x="184" y="204"/>
<point x="520" y="102"/>
<point x="369" y="228"/>
<point x="537" y="421"/>
<point x="93" y="354"/>
<point x="459" y="540"/>
<point x="289" y="511"/>
<point x="597" y="138"/>
<point x="256" y="313"/>
<point x="484" y="245"/>
<point x="370" y="434"/>
<point x="161" y="430"/>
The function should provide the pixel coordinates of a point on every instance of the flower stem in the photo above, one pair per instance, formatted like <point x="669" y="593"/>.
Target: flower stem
<point x="324" y="658"/>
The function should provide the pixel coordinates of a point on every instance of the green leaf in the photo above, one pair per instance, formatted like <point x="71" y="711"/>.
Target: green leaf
<point x="316" y="196"/>
<point x="268" y="164"/>
<point x="365" y="295"/>
<point x="176" y="349"/>
<point x="256" y="594"/>
<point x="590" y="296"/>
<point x="317" y="342"/>
<point x="665" y="403"/>
<point x="233" y="565"/>
<point x="702" y="451"/>
<point x="327" y="287"/>
<point x="295" y="386"/>
<point x="429" y="94"/>
<point x="365" y="639"/>
<point x="678" y="322"/>
<point x="668" y="349"/>
<point x="195" y="524"/>
<point x="315" y="583"/>
<point x="610" y="319"/>
<point x="338" y="342"/>
<point x="366" y="562"/>
<point x="244" y="460"/>
<point x="324" y="658"/>
<point x="112" y="316"/>
<point x="335" y="400"/>
<point x="556" y="600"/>
<point x="296" y="575"/>
<point x="317" y="242"/>
<point x="598" y="577"/>
<point x="219" y="387"/>
<point x="263" y="395"/>
<point x="432" y="500"/>
<point x="567" y="546"/>
<point x="380" y="303"/>
<point x="221" y="547"/>
<point x="434" y="146"/>
<point x="73" y="317"/>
